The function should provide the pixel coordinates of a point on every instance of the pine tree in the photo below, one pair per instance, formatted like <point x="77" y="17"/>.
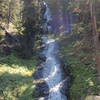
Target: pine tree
<point x="30" y="21"/>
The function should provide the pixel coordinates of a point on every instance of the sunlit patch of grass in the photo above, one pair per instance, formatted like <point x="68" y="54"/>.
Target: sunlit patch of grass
<point x="2" y="32"/>
<point x="16" y="81"/>
<point x="15" y="69"/>
<point x="92" y="97"/>
<point x="55" y="36"/>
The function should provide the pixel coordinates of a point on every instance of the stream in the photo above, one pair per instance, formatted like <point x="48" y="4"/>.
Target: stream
<point x="52" y="73"/>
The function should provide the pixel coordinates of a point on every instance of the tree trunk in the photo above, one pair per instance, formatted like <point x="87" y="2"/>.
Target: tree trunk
<point x="95" y="35"/>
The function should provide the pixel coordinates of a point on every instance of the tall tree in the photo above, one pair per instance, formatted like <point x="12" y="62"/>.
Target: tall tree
<point x="30" y="21"/>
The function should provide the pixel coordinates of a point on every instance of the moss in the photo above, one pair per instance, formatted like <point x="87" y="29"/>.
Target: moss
<point x="82" y="67"/>
<point x="16" y="81"/>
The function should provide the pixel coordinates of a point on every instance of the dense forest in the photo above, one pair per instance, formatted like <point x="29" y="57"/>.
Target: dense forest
<point x="49" y="49"/>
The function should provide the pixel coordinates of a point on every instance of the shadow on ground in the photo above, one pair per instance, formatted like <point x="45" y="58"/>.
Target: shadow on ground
<point x="16" y="80"/>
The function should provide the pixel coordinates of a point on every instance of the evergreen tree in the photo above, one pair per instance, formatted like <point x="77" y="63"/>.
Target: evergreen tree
<point x="30" y="22"/>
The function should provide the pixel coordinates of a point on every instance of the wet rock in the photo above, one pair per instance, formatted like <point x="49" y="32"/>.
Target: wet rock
<point x="38" y="74"/>
<point x="65" y="68"/>
<point x="40" y="67"/>
<point x="46" y="98"/>
<point x="65" y="86"/>
<point x="43" y="89"/>
<point x="42" y="57"/>
<point x="7" y="50"/>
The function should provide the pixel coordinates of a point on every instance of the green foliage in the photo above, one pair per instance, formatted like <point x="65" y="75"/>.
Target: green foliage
<point x="78" y="57"/>
<point x="78" y="28"/>
<point x="16" y="81"/>
<point x="77" y="51"/>
<point x="84" y="79"/>
<point x="2" y="32"/>
<point x="3" y="10"/>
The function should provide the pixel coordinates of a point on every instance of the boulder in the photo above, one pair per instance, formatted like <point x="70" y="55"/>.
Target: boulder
<point x="65" y="86"/>
<point x="43" y="89"/>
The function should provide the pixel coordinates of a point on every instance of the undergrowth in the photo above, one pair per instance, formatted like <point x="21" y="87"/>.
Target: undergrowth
<point x="78" y="55"/>
<point x="16" y="80"/>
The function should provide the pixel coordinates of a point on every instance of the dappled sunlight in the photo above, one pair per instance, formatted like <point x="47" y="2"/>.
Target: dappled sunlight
<point x="14" y="85"/>
<point x="37" y="81"/>
<point x="15" y="69"/>
<point x="16" y="76"/>
<point x="91" y="83"/>
<point x="92" y="97"/>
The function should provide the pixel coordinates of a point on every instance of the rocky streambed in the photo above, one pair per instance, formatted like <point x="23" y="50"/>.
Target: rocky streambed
<point x="53" y="82"/>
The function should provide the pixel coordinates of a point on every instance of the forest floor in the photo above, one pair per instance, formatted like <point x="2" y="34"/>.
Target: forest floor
<point x="16" y="78"/>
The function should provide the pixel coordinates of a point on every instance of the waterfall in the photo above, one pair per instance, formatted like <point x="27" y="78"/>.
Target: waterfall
<point x="48" y="17"/>
<point x="52" y="72"/>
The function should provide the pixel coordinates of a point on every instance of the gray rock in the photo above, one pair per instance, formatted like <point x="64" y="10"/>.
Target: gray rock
<point x="65" y="86"/>
<point x="43" y="89"/>
<point x="42" y="57"/>
<point x="38" y="74"/>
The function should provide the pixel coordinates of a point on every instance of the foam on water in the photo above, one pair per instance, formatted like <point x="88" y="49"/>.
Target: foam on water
<point x="52" y="72"/>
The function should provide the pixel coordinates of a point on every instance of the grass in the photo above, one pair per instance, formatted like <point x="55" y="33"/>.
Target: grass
<point x="2" y="32"/>
<point x="78" y="56"/>
<point x="16" y="80"/>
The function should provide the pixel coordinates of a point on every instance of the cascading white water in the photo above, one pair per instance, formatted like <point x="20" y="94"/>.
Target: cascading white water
<point x="52" y="72"/>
